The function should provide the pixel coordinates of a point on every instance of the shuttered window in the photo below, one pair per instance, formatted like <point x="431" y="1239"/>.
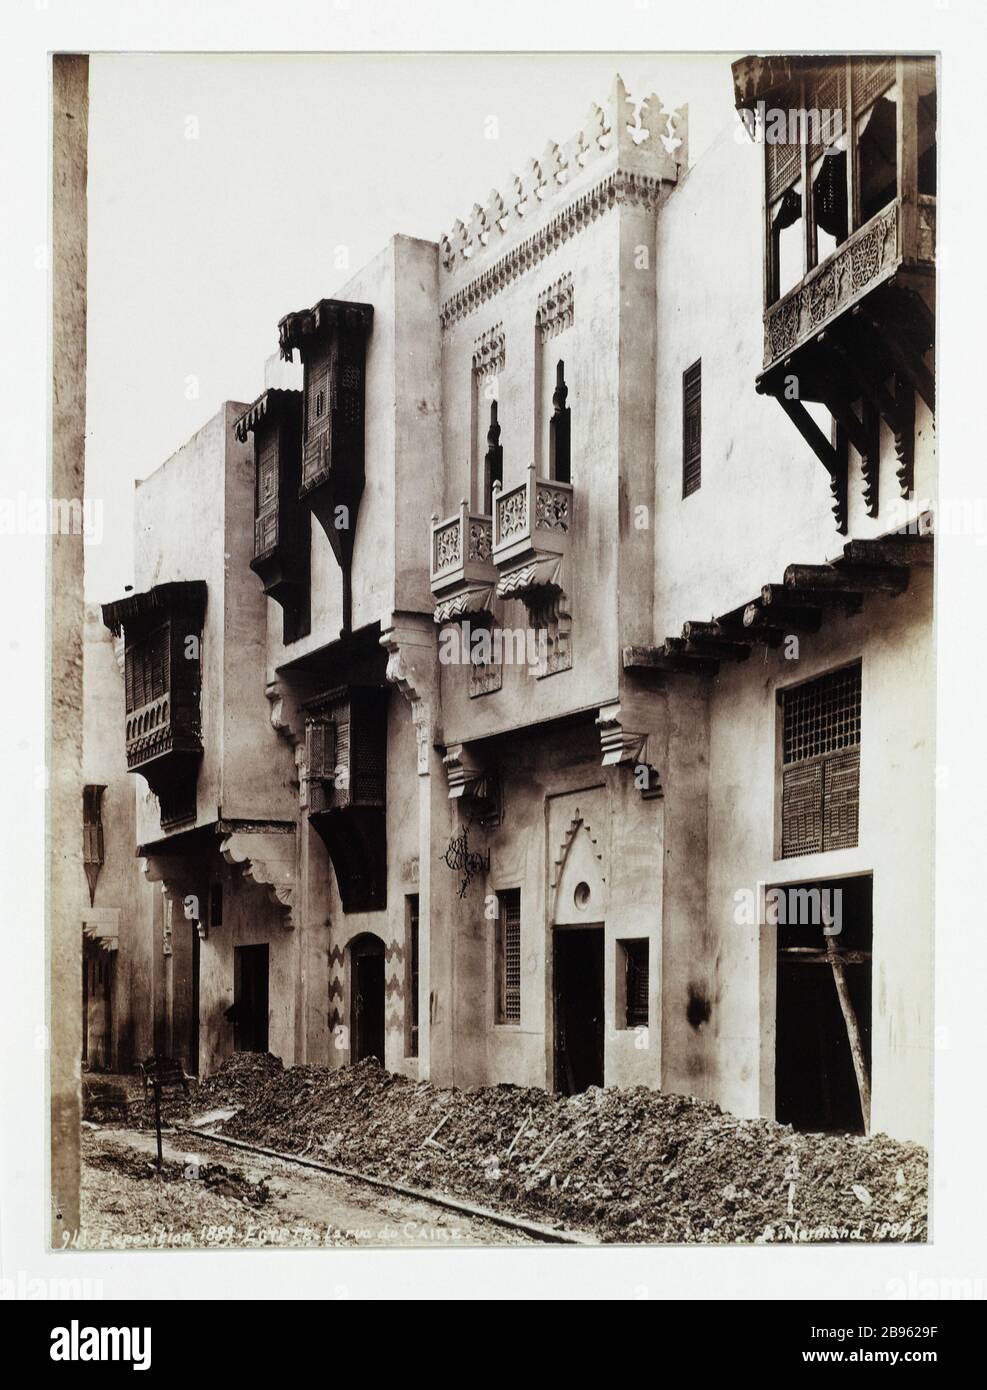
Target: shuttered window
<point x="92" y="824"/>
<point x="692" y="428"/>
<point x="509" y="956"/>
<point x="820" y="791"/>
<point x="635" y="983"/>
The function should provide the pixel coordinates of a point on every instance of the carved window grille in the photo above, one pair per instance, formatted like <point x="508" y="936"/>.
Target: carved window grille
<point x="411" y="956"/>
<point x="692" y="429"/>
<point x="636" y="983"/>
<point x="509" y="956"/>
<point x="821" y="763"/>
<point x="559" y="462"/>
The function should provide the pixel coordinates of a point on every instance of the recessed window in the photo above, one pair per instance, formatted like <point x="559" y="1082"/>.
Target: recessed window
<point x="493" y="461"/>
<point x="559" y="463"/>
<point x="633" y="983"/>
<point x="692" y="428"/>
<point x="582" y="895"/>
<point x="509" y="956"/>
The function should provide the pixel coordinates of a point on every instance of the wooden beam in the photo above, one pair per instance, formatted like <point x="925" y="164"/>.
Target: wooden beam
<point x="775" y="594"/>
<point x="787" y="619"/>
<point x="853" y="1031"/>
<point x="655" y="660"/>
<point x="890" y="550"/>
<point x="811" y="433"/>
<point x="882" y="579"/>
<point x="907" y="362"/>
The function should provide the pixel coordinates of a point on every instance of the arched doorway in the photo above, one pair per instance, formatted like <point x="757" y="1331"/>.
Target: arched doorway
<point x="578" y="970"/>
<point x="366" y="997"/>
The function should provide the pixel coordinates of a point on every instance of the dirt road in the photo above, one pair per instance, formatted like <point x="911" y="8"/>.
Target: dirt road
<point x="260" y="1202"/>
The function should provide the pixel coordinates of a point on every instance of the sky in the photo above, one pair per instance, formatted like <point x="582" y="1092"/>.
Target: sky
<point x="227" y="190"/>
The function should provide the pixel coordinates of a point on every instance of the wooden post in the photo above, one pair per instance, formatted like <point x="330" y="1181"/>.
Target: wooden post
<point x="157" y="1115"/>
<point x="853" y="1030"/>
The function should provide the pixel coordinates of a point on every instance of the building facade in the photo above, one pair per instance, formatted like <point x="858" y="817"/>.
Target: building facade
<point x="538" y="685"/>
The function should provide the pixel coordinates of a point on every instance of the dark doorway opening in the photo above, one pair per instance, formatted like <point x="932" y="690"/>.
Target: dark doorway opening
<point x="578" y="1008"/>
<point x="250" y="994"/>
<point x="823" y="1018"/>
<point x="367" y="962"/>
<point x="97" y="1006"/>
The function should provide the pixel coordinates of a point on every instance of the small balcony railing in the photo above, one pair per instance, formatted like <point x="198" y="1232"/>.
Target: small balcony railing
<point x="462" y="547"/>
<point x="531" y="521"/>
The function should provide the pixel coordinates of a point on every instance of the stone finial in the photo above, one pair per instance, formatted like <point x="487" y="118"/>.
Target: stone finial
<point x="678" y="124"/>
<point x="619" y="116"/>
<point x="654" y="120"/>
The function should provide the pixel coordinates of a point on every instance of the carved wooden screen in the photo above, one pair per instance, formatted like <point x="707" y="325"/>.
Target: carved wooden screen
<point x="821" y="764"/>
<point x="266" y="524"/>
<point x="319" y="371"/>
<point x="146" y="669"/>
<point x="692" y="428"/>
<point x="872" y="77"/>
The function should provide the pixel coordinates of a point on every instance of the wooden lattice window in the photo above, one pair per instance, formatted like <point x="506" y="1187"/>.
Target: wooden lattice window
<point x="820" y="791"/>
<point x="692" y="428"/>
<point x="509" y="956"/>
<point x="146" y="669"/>
<point x="636" y="982"/>
<point x="320" y="751"/>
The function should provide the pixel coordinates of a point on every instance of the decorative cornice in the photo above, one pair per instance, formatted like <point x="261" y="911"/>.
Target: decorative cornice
<point x="305" y="327"/>
<point x="621" y="188"/>
<point x="622" y="130"/>
<point x="267" y="404"/>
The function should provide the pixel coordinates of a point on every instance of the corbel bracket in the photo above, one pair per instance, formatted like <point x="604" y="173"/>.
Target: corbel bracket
<point x="623" y="747"/>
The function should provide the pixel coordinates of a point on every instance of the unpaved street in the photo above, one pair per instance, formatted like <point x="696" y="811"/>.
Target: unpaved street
<point x="126" y="1206"/>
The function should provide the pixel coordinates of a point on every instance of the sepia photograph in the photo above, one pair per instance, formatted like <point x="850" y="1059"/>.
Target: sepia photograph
<point x="494" y="634"/>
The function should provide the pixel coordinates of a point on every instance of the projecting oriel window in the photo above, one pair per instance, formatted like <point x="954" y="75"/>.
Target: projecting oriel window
<point x="508" y="958"/>
<point x="692" y="428"/>
<point x="820" y="773"/>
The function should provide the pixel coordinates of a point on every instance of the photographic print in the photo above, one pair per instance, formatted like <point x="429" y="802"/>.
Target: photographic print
<point x="498" y="736"/>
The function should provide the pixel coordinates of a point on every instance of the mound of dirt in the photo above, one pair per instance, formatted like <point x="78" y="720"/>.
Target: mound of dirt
<point x="626" y="1165"/>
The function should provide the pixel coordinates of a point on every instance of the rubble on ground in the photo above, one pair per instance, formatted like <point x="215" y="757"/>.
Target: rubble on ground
<point x="624" y="1164"/>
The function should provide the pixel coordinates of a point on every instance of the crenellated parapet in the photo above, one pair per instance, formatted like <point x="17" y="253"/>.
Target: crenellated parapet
<point x="626" y="152"/>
